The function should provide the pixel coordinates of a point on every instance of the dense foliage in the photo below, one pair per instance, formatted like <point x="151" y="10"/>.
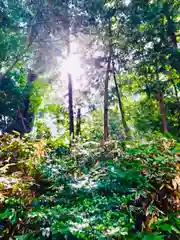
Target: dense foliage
<point x="90" y="119"/>
<point x="119" y="191"/>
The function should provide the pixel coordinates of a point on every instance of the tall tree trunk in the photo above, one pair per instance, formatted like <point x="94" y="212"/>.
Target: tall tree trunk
<point x="71" y="113"/>
<point x="78" y="125"/>
<point x="106" y="128"/>
<point x="106" y="85"/>
<point x="125" y="126"/>
<point x="162" y="111"/>
<point x="70" y="87"/>
<point x="160" y="99"/>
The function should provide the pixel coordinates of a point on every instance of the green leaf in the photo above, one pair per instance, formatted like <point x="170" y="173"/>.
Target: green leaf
<point x="150" y="209"/>
<point x="85" y="170"/>
<point x="166" y="227"/>
<point x="24" y="237"/>
<point x="114" y="19"/>
<point x="79" y="219"/>
<point x="153" y="236"/>
<point x="175" y="229"/>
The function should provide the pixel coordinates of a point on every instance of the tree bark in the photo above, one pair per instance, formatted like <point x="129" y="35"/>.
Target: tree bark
<point x="162" y="111"/>
<point x="78" y="126"/>
<point x="106" y="85"/>
<point x="71" y="113"/>
<point x="70" y="87"/>
<point x="125" y="126"/>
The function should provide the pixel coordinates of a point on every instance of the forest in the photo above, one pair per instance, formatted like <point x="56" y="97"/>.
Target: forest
<point x="90" y="119"/>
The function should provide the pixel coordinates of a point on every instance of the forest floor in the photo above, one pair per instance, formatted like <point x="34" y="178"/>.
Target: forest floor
<point x="117" y="191"/>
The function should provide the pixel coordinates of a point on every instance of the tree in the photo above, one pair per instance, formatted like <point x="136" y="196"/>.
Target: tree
<point x="78" y="124"/>
<point x="24" y="117"/>
<point x="151" y="43"/>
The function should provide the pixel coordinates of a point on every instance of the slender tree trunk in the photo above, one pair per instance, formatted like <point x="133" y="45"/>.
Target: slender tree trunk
<point x="70" y="87"/>
<point x="71" y="113"/>
<point x="106" y="128"/>
<point x="125" y="126"/>
<point x="160" y="99"/>
<point x="78" y="125"/>
<point x="106" y="93"/>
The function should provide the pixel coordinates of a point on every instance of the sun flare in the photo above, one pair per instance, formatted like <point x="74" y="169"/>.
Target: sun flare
<point x="74" y="66"/>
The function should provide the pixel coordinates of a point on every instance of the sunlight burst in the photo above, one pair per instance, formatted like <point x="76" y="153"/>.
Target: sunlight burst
<point x="73" y="66"/>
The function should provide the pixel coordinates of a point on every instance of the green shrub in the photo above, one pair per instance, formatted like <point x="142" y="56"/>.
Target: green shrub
<point x="20" y="159"/>
<point x="109" y="192"/>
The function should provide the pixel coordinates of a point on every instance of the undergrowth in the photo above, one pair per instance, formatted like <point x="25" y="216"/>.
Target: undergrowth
<point x="118" y="191"/>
